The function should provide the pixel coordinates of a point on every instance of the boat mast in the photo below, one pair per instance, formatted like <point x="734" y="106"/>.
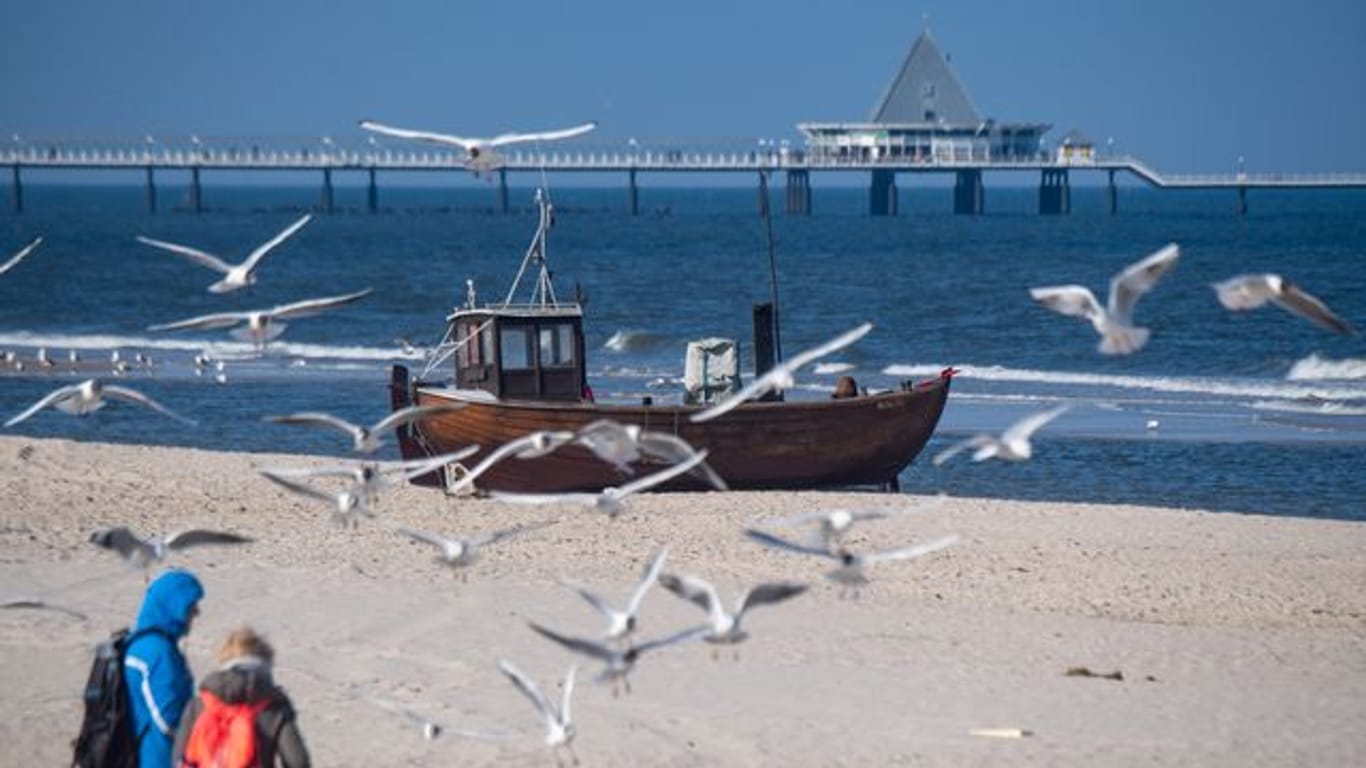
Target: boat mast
<point x="543" y="294"/>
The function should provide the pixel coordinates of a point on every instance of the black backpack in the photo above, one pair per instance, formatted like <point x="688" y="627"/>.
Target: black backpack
<point x="107" y="739"/>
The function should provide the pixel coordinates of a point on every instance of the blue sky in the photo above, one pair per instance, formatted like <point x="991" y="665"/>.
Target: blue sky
<point x="1188" y="86"/>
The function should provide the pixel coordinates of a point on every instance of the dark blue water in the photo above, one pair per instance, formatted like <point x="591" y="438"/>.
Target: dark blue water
<point x="1258" y="411"/>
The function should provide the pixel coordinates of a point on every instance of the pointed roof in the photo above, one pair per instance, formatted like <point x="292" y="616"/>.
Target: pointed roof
<point x="925" y="90"/>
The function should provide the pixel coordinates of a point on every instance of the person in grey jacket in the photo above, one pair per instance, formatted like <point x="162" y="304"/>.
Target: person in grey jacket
<point x="244" y="677"/>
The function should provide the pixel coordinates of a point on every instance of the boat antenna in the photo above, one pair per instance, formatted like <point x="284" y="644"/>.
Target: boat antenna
<point x="544" y="292"/>
<point x="767" y="216"/>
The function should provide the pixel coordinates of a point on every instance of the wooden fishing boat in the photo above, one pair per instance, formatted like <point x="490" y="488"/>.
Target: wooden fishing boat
<point x="518" y="368"/>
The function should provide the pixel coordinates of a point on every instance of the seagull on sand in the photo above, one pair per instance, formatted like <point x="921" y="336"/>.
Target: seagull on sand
<point x="623" y="444"/>
<point x="142" y="552"/>
<point x="1012" y="445"/>
<point x="262" y="325"/>
<point x="1114" y="322"/>
<point x="18" y="257"/>
<point x="365" y="439"/>
<point x="479" y="152"/>
<point x="621" y="623"/>
<point x="559" y="721"/>
<point x="851" y="573"/>
<point x="90" y="396"/>
<point x="236" y="275"/>
<point x="610" y="499"/>
<point x="529" y="446"/>
<point x="618" y="662"/>
<point x="725" y="627"/>
<point x="1252" y="291"/>
<point x="780" y="376"/>
<point x="461" y="553"/>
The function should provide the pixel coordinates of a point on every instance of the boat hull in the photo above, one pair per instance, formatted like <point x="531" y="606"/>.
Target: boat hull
<point x="864" y="440"/>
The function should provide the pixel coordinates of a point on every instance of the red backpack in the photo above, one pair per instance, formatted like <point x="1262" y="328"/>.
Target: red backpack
<point x="224" y="735"/>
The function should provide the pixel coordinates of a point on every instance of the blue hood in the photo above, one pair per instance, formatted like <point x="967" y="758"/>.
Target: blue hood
<point x="167" y="602"/>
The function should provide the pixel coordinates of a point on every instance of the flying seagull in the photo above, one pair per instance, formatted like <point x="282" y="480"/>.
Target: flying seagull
<point x="559" y="721"/>
<point x="235" y="275"/>
<point x="463" y="552"/>
<point x="1114" y="322"/>
<point x="621" y="622"/>
<point x="480" y="155"/>
<point x="365" y="439"/>
<point x="780" y="376"/>
<point x="142" y="552"/>
<point x="1252" y="291"/>
<point x="851" y="573"/>
<point x="725" y="627"/>
<point x="262" y="325"/>
<point x="610" y="499"/>
<point x="834" y="524"/>
<point x="90" y="396"/>
<point x="18" y="257"/>
<point x="618" y="661"/>
<point x="529" y="446"/>
<point x="1012" y="445"/>
<point x="621" y="445"/>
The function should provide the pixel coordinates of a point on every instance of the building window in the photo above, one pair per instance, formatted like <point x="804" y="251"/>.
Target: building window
<point x="513" y="348"/>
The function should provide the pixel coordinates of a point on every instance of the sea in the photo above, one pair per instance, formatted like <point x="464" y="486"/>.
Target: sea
<point x="1249" y="412"/>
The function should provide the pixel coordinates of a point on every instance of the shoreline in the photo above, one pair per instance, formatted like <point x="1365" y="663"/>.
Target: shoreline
<point x="1240" y="638"/>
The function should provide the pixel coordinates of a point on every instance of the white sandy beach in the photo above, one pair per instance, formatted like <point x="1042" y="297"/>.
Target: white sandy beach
<point x="1241" y="639"/>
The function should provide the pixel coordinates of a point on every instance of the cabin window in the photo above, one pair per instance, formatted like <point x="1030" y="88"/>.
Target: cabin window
<point x="557" y="345"/>
<point x="473" y="345"/>
<point x="514" y="348"/>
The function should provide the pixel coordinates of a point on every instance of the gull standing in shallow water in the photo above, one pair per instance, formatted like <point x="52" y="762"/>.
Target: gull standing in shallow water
<point x="618" y="661"/>
<point x="262" y="325"/>
<point x="1114" y="322"/>
<point x="851" y="573"/>
<point x="90" y="396"/>
<point x="725" y="627"/>
<point x="461" y="553"/>
<point x="621" y="624"/>
<point x="365" y="439"/>
<point x="609" y="500"/>
<point x="236" y="275"/>
<point x="1252" y="291"/>
<point x="559" y="721"/>
<point x="1012" y="445"/>
<point x="18" y="257"/>
<point x="780" y="376"/>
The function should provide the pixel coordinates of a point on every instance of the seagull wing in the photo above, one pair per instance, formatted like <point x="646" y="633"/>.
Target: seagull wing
<point x="647" y="580"/>
<point x="977" y="441"/>
<point x="405" y="133"/>
<point x="37" y="603"/>
<point x="60" y="393"/>
<point x="299" y="488"/>
<point x="675" y="449"/>
<point x="577" y="645"/>
<point x="1139" y="278"/>
<point x="908" y="553"/>
<point x="568" y="695"/>
<point x="581" y="499"/>
<point x="501" y="452"/>
<point x="662" y="476"/>
<point x="120" y="539"/>
<point x="504" y="533"/>
<point x="440" y="542"/>
<point x="592" y="598"/>
<point x="693" y="589"/>
<point x="1295" y="299"/>
<point x="198" y="537"/>
<point x="199" y="257"/>
<point x="516" y="138"/>
<point x="270" y="244"/>
<point x="215" y="320"/>
<point x="769" y="540"/>
<point x="132" y="395"/>
<point x="1030" y="424"/>
<point x="769" y="593"/>
<point x="314" y="306"/>
<point x="18" y="257"/>
<point x="1246" y="291"/>
<point x="834" y="345"/>
<point x="677" y="637"/>
<point x="1073" y="300"/>
<point x="318" y="419"/>
<point x="753" y="389"/>
<point x="410" y="414"/>
<point x="420" y="467"/>
<point x="529" y="689"/>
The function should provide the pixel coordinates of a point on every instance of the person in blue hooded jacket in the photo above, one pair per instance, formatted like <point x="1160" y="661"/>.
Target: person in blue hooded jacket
<point x="159" y="681"/>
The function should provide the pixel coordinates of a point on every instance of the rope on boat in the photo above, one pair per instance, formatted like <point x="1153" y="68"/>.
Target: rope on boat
<point x="446" y="348"/>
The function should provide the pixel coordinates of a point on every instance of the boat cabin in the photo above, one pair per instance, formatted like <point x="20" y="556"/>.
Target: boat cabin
<point x="521" y="352"/>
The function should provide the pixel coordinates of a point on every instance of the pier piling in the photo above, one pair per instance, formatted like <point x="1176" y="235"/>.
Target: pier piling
<point x="798" y="193"/>
<point x="882" y="196"/>
<point x="1242" y="201"/>
<point x="1055" y="194"/>
<point x="372" y="193"/>
<point x="151" y="190"/>
<point x="503" y="190"/>
<point x="327" y="190"/>
<point x="633" y="193"/>
<point x="1112" y="194"/>
<point x="968" y="196"/>
<point x="18" y="186"/>
<point x="196" y="193"/>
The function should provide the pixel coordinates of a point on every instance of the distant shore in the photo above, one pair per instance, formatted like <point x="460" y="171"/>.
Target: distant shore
<point x="1236" y="639"/>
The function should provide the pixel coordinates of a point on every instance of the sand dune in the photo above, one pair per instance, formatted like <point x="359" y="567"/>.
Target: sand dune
<point x="1241" y="639"/>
